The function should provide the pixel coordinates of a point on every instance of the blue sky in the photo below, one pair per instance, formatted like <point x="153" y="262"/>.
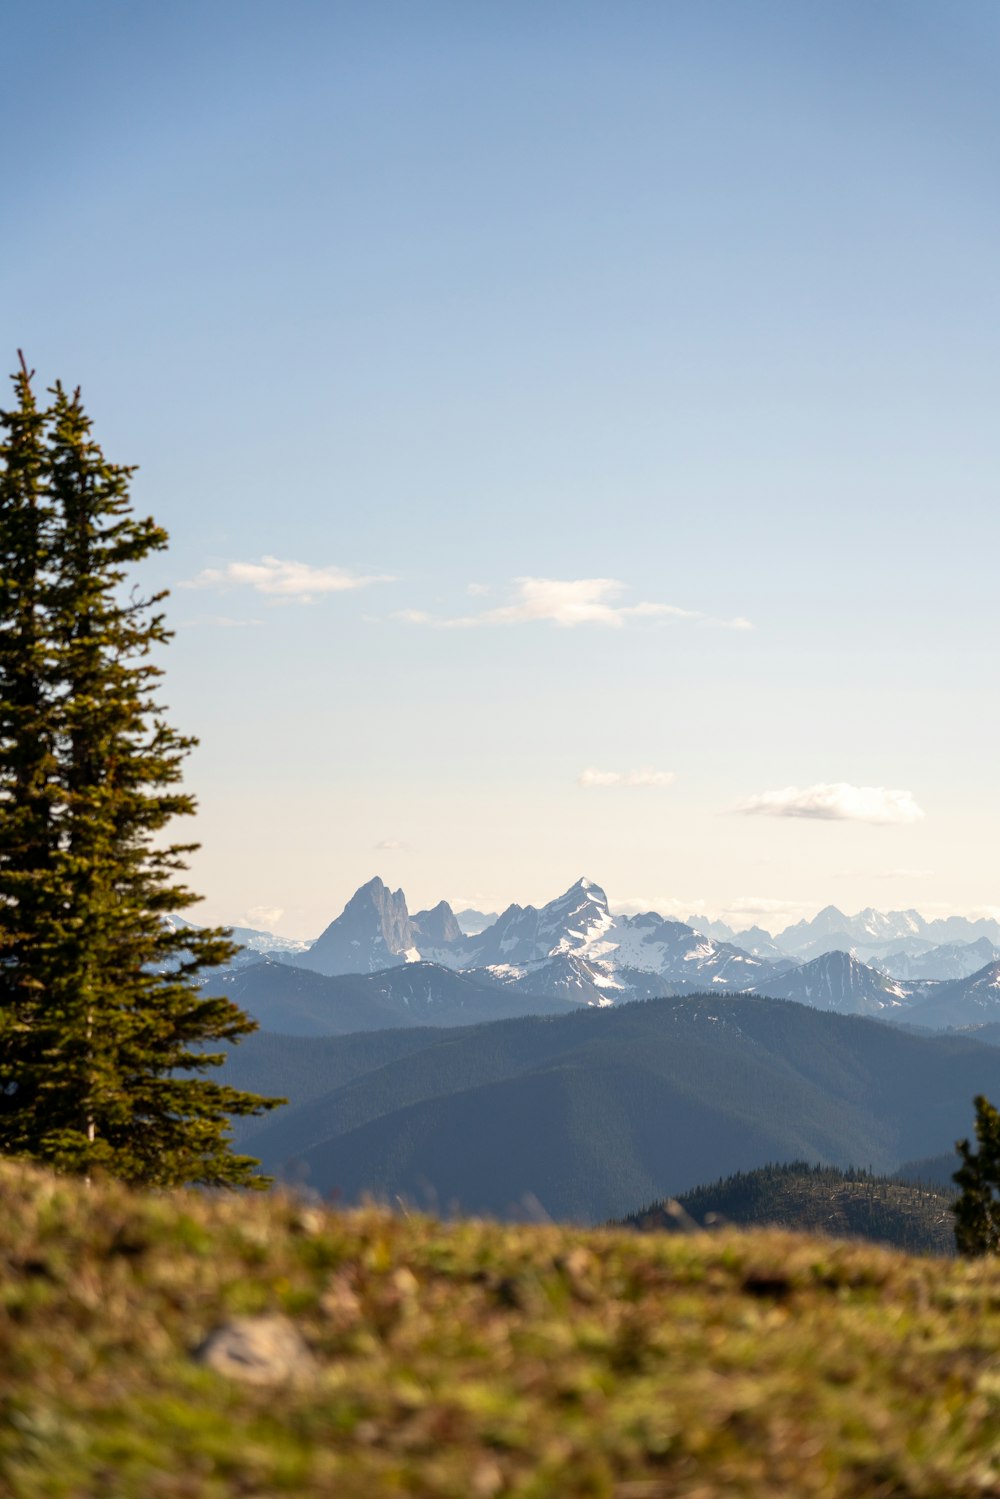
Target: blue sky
<point x="698" y="300"/>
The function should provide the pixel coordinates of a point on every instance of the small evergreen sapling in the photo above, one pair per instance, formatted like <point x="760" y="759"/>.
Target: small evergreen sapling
<point x="103" y="1021"/>
<point x="977" y="1210"/>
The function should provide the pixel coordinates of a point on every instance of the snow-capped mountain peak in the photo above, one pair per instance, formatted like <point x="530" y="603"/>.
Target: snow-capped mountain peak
<point x="870" y="963"/>
<point x="576" y="919"/>
<point x="838" y="981"/>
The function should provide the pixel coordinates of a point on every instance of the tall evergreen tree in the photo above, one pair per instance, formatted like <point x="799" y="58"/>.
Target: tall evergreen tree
<point x="977" y="1211"/>
<point x="101" y="1065"/>
<point x="28" y="810"/>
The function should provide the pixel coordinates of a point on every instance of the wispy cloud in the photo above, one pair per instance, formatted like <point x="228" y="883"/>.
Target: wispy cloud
<point x="664" y="905"/>
<point x="566" y="602"/>
<point x="390" y="845"/>
<point x="592" y="779"/>
<point x="218" y="621"/>
<point x="836" y="802"/>
<point x="263" y="916"/>
<point x="294" y="582"/>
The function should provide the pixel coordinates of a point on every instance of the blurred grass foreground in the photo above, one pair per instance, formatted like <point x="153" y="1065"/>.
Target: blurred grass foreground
<point x="180" y="1346"/>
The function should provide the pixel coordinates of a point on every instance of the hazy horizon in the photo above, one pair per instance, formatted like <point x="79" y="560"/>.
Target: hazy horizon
<point x="771" y="917"/>
<point x="576" y="428"/>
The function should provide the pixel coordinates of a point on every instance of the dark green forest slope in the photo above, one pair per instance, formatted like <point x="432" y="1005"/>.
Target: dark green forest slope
<point x="585" y="1115"/>
<point x="817" y="1199"/>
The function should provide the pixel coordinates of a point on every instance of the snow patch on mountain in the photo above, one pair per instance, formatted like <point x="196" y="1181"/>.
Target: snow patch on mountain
<point x="838" y="981"/>
<point x="575" y="948"/>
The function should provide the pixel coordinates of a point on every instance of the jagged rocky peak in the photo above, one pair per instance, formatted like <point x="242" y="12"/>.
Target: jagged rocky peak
<point x="583" y="896"/>
<point x="373" y="931"/>
<point x="830" y="919"/>
<point x="437" y="927"/>
<point x="887" y="925"/>
<point x="653" y="921"/>
<point x="389" y="908"/>
<point x="527" y="934"/>
<point x="576" y="917"/>
<point x="709" y="927"/>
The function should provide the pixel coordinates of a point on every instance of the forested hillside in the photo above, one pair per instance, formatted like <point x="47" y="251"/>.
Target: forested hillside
<point x="817" y="1199"/>
<point x="587" y="1115"/>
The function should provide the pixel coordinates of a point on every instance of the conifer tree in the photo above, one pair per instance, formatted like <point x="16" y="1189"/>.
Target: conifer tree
<point x="28" y="812"/>
<point x="102" y="1017"/>
<point x="977" y="1211"/>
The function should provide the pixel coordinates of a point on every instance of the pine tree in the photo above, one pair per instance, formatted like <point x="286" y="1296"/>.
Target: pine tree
<point x="103" y="1022"/>
<point x="28" y="812"/>
<point x="977" y="1211"/>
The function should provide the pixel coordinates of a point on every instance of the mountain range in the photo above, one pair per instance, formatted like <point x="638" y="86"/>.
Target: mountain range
<point x="569" y="1061"/>
<point x="375" y="931"/>
<point x="877" y="933"/>
<point x="575" y="951"/>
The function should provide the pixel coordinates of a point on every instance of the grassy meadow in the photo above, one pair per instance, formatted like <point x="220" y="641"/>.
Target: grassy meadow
<point x="471" y="1360"/>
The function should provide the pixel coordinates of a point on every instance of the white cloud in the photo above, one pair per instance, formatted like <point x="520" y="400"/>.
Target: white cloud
<point x="664" y="905"/>
<point x="390" y="844"/>
<point x="591" y="778"/>
<point x="904" y="874"/>
<point x="566" y="602"/>
<point x="297" y="582"/>
<point x="263" y="916"/>
<point x="836" y="801"/>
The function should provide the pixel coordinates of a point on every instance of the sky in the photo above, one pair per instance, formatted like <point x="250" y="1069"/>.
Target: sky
<point x="576" y="426"/>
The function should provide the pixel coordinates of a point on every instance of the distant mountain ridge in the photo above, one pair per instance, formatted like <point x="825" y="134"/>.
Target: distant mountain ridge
<point x="874" y="932"/>
<point x="528" y="945"/>
<point x="574" y="950"/>
<point x="581" y="921"/>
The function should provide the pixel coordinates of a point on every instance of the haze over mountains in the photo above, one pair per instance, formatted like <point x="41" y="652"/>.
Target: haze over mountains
<point x="574" y="950"/>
